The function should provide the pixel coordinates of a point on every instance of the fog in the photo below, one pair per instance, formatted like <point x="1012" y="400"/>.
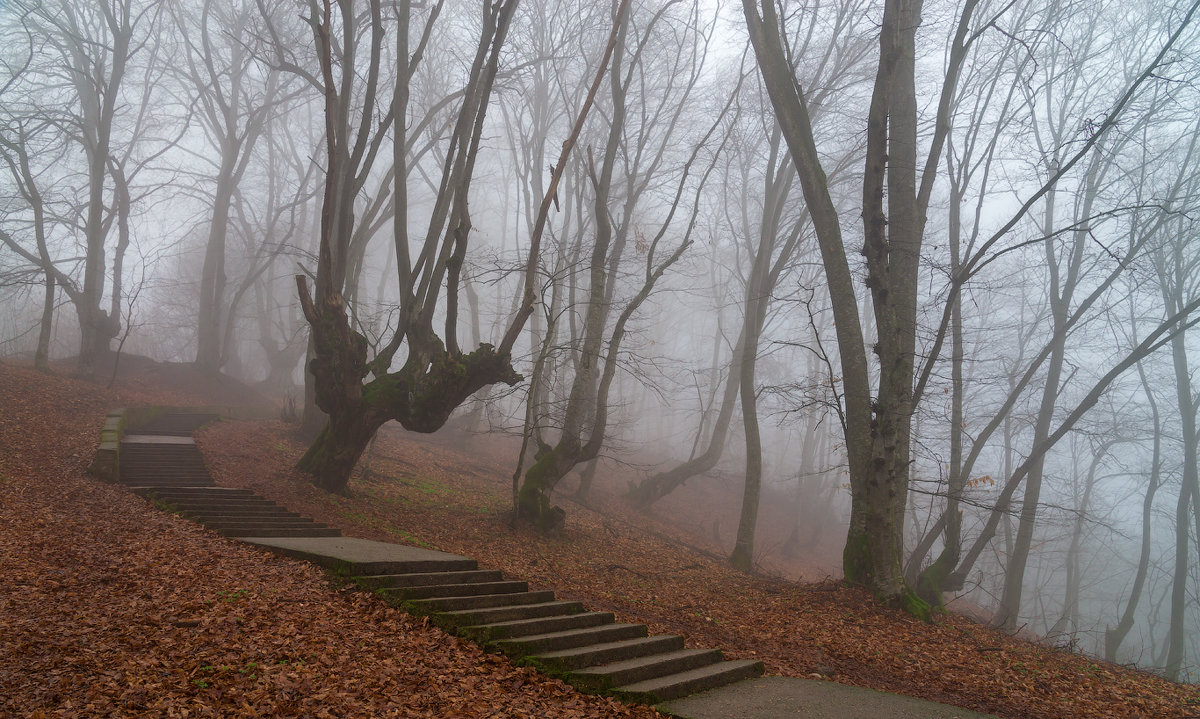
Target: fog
<point x="936" y="299"/>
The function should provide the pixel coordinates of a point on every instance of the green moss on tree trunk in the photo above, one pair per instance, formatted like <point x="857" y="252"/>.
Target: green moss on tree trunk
<point x="930" y="583"/>
<point x="533" y="499"/>
<point x="856" y="559"/>
<point x="858" y="568"/>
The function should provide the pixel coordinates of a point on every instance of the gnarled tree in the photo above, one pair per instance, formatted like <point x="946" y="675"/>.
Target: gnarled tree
<point x="359" y="393"/>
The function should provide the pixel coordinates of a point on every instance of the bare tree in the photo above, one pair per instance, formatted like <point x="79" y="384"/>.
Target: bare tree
<point x="236" y="96"/>
<point x="621" y="179"/>
<point x="93" y="45"/>
<point x="826" y="69"/>
<point x="436" y="376"/>
<point x="878" y="429"/>
<point x="92" y="83"/>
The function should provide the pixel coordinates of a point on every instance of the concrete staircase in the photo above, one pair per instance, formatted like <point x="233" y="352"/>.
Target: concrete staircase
<point x="587" y="649"/>
<point x="160" y="461"/>
<point x="590" y="650"/>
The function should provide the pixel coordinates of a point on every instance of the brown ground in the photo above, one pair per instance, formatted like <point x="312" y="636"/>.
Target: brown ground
<point x="111" y="608"/>
<point x="202" y="609"/>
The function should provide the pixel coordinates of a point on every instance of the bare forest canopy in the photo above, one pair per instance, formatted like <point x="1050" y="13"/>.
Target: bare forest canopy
<point x="929" y="273"/>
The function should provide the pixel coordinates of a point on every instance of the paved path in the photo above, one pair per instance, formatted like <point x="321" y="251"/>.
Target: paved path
<point x="786" y="697"/>
<point x="354" y="557"/>
<point x="761" y="698"/>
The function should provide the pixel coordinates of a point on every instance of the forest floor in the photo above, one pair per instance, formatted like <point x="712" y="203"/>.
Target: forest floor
<point x="110" y="608"/>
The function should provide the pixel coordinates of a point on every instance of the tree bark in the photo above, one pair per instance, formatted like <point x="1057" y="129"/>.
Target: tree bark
<point x="41" y="357"/>
<point x="1114" y="636"/>
<point x="742" y="557"/>
<point x="876" y="432"/>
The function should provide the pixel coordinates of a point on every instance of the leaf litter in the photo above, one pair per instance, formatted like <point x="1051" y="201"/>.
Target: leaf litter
<point x="111" y="608"/>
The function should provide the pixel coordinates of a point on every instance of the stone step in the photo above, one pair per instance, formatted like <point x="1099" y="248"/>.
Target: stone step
<point x="158" y="483"/>
<point x="214" y="522"/>
<point x="152" y="484"/>
<point x="238" y="514"/>
<point x="566" y="660"/>
<point x="455" y="590"/>
<point x="269" y="523"/>
<point x="169" y="499"/>
<point x="213" y="492"/>
<point x="281" y="532"/>
<point x="147" y="479"/>
<point x="492" y="615"/>
<point x="487" y="633"/>
<point x="228" y="511"/>
<point x="163" y="466"/>
<point x="422" y="579"/>
<point x="207" y="508"/>
<point x="157" y="432"/>
<point x="603" y="677"/>
<point x="568" y="639"/>
<point x="276" y="514"/>
<point x="152" y="444"/>
<point x="674" y="686"/>
<point x="486" y="601"/>
<point x="218" y="504"/>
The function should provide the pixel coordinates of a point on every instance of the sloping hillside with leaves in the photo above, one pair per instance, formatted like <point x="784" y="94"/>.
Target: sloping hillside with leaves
<point x="111" y="608"/>
<point x="453" y="492"/>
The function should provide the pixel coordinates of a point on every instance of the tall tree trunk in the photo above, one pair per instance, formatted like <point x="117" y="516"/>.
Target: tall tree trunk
<point x="742" y="557"/>
<point x="212" y="276"/>
<point x="879" y="490"/>
<point x="41" y="358"/>
<point x="1173" y="289"/>
<point x="97" y="328"/>
<point x="876" y="430"/>
<point x="1067" y="622"/>
<point x="1063" y="279"/>
<point x="1114" y="636"/>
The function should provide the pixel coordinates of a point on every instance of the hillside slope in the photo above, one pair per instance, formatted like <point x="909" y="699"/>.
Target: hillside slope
<point x="109" y="607"/>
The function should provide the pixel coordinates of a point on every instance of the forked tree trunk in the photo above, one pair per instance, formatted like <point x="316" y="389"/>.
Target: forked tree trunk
<point x="586" y="477"/>
<point x="420" y="396"/>
<point x="332" y="456"/>
<point x="876" y="432"/>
